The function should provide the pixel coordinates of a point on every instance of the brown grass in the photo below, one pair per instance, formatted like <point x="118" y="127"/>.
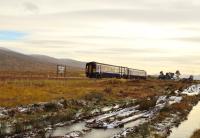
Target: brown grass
<point x="26" y="91"/>
<point x="72" y="72"/>
<point x="17" y="92"/>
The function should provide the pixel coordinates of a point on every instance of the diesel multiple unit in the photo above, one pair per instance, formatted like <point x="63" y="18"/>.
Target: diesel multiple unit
<point x="100" y="70"/>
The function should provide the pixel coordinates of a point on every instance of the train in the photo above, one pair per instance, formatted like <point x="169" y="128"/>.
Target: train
<point x="101" y="70"/>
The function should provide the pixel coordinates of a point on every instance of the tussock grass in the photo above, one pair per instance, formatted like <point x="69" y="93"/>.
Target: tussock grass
<point x="146" y="104"/>
<point x="196" y="134"/>
<point x="27" y="91"/>
<point x="16" y="92"/>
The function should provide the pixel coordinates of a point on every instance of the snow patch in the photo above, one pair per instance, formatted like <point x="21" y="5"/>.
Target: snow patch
<point x="192" y="90"/>
<point x="73" y="134"/>
<point x="174" y="99"/>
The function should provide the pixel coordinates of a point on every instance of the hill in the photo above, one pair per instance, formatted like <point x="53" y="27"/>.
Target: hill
<point x="14" y="61"/>
<point x="68" y="62"/>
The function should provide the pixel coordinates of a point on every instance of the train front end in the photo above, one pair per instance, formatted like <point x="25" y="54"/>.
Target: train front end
<point x="90" y="70"/>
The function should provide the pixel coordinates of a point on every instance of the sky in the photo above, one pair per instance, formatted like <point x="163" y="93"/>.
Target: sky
<point x="153" y="35"/>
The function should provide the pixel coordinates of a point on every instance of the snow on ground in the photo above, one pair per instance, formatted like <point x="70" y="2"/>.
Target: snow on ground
<point x="3" y="116"/>
<point x="163" y="127"/>
<point x="174" y="99"/>
<point x="192" y="90"/>
<point x="115" y="113"/>
<point x="126" y="131"/>
<point x="115" y="116"/>
<point x="123" y="121"/>
<point x="106" y="109"/>
<point x="161" y="100"/>
<point x="121" y="117"/>
<point x="3" y="113"/>
<point x="73" y="134"/>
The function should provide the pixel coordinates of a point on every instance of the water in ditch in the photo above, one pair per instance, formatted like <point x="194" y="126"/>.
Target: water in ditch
<point x="94" y="133"/>
<point x="189" y="126"/>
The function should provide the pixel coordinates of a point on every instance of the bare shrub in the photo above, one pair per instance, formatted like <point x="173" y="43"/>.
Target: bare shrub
<point x="19" y="127"/>
<point x="50" y="107"/>
<point x="146" y="104"/>
<point x="108" y="90"/>
<point x="196" y="134"/>
<point x="62" y="116"/>
<point x="94" y="96"/>
<point x="114" y="81"/>
<point x="2" y="129"/>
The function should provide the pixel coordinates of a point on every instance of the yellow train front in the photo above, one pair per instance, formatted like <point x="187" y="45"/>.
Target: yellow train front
<point x="101" y="70"/>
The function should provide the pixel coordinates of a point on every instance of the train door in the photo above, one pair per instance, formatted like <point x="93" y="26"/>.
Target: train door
<point x="128" y="73"/>
<point x="98" y="68"/>
<point x="123" y="72"/>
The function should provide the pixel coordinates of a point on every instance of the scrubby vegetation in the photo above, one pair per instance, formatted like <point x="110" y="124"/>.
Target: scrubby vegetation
<point x="196" y="134"/>
<point x="85" y="96"/>
<point x="146" y="104"/>
<point x="17" y="92"/>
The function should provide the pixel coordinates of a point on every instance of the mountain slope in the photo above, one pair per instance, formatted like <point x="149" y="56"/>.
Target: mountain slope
<point x="13" y="61"/>
<point x="67" y="62"/>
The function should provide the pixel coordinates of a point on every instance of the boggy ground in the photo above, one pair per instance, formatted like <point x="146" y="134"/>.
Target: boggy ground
<point x="26" y="91"/>
<point x="32" y="107"/>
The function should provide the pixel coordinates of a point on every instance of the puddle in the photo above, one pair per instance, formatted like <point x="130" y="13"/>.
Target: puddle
<point x="188" y="127"/>
<point x="134" y="123"/>
<point x="102" y="133"/>
<point x="95" y="133"/>
<point x="109" y="124"/>
<point x="61" y="131"/>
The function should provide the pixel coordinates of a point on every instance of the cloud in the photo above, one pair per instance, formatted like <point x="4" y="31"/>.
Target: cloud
<point x="137" y="15"/>
<point x="188" y="39"/>
<point x="33" y="8"/>
<point x="122" y="51"/>
<point x="146" y="34"/>
<point x="181" y="60"/>
<point x="51" y="42"/>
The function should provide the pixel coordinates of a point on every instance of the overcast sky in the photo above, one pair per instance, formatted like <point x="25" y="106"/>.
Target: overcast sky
<point x="147" y="34"/>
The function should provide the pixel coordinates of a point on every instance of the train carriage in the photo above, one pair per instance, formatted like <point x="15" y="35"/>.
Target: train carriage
<point x="137" y="74"/>
<point x="100" y="70"/>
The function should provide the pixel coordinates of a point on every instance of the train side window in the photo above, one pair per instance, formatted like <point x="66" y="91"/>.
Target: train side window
<point x="94" y="68"/>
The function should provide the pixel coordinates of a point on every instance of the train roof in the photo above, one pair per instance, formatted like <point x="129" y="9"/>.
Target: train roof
<point x="114" y="65"/>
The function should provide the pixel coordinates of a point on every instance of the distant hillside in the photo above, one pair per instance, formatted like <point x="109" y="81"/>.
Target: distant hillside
<point x="14" y="61"/>
<point x="68" y="62"/>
